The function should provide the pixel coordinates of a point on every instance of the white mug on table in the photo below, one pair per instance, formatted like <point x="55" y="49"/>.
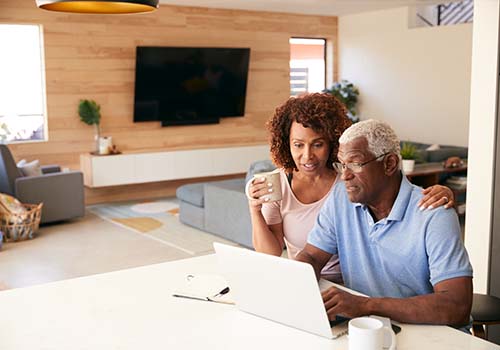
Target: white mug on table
<point x="367" y="333"/>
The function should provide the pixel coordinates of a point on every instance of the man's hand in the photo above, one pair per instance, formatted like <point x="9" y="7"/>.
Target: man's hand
<point x="449" y="304"/>
<point x="339" y="302"/>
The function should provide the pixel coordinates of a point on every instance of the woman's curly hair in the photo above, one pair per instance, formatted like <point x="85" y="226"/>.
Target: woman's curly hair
<point x="322" y="112"/>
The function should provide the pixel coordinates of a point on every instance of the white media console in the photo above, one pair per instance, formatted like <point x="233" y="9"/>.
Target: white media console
<point x="134" y="168"/>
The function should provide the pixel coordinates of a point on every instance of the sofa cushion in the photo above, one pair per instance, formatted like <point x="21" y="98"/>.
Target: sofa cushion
<point x="30" y="169"/>
<point x="237" y="185"/>
<point x="226" y="211"/>
<point x="192" y="215"/>
<point x="192" y="193"/>
<point x="259" y="166"/>
<point x="440" y="155"/>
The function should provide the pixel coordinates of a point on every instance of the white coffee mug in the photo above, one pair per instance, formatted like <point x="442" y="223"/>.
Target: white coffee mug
<point x="273" y="178"/>
<point x="366" y="333"/>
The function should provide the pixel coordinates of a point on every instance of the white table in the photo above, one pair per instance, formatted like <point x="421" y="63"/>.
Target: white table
<point x="134" y="309"/>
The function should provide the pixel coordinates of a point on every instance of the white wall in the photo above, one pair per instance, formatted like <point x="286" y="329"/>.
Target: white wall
<point x="482" y="139"/>
<point x="416" y="79"/>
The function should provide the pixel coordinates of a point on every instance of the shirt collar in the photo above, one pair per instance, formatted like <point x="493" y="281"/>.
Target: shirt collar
<point x="400" y="204"/>
<point x="402" y="200"/>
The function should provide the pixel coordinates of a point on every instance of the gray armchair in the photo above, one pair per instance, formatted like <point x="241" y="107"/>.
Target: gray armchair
<point x="61" y="192"/>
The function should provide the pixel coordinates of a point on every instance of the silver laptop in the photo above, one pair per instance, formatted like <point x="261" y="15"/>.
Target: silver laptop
<point x="278" y="289"/>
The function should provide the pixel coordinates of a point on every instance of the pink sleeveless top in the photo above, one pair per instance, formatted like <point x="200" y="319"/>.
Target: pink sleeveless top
<point x="298" y="219"/>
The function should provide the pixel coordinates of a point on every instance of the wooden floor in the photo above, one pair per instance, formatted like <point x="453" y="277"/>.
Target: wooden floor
<point x="81" y="247"/>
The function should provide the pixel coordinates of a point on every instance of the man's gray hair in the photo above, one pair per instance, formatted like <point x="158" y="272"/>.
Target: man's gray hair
<point x="380" y="136"/>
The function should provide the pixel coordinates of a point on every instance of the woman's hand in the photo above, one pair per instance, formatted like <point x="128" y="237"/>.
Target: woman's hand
<point x="256" y="190"/>
<point x="436" y="196"/>
<point x="453" y="162"/>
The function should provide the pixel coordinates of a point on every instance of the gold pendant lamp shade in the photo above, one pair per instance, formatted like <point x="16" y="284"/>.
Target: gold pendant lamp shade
<point x="102" y="6"/>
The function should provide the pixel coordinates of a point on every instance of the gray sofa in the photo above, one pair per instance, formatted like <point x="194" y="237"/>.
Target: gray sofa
<point x="437" y="155"/>
<point x="61" y="192"/>
<point x="220" y="207"/>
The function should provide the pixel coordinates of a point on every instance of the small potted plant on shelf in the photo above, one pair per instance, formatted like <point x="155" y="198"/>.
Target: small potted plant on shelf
<point x="90" y="113"/>
<point x="409" y="154"/>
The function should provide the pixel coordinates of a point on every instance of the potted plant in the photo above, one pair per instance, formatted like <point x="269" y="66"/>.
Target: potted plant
<point x="4" y="132"/>
<point x="348" y="94"/>
<point x="409" y="154"/>
<point x="90" y="113"/>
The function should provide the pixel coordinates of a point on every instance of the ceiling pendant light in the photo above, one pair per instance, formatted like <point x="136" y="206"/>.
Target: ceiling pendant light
<point x="99" y="6"/>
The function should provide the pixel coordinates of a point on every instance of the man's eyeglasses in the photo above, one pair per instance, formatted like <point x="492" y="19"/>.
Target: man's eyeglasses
<point x="354" y="167"/>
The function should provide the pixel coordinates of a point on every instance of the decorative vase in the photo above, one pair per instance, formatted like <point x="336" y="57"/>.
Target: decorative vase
<point x="408" y="165"/>
<point x="105" y="144"/>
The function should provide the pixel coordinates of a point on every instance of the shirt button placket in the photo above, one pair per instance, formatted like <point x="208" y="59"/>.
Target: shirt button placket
<point x="373" y="232"/>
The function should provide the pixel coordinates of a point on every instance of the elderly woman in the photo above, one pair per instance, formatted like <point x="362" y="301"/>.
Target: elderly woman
<point x="304" y="134"/>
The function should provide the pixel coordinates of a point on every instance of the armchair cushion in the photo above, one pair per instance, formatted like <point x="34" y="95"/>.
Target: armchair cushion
<point x="30" y="169"/>
<point x="62" y="194"/>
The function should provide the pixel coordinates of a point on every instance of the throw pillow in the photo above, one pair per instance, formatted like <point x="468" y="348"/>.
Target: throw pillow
<point x="31" y="168"/>
<point x="433" y="147"/>
<point x="10" y="205"/>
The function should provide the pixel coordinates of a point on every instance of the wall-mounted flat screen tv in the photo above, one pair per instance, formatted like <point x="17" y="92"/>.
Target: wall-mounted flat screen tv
<point x="186" y="85"/>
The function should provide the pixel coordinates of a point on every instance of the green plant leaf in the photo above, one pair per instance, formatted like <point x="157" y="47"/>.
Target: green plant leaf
<point x="408" y="151"/>
<point x="348" y="94"/>
<point x="89" y="111"/>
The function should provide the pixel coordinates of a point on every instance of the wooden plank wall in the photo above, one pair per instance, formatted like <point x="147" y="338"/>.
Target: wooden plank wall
<point x="93" y="57"/>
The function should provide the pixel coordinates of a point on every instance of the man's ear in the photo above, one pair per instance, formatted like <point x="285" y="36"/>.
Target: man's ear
<point x="391" y="164"/>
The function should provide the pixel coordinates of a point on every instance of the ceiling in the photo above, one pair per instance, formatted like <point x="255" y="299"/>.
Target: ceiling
<point x="309" y="7"/>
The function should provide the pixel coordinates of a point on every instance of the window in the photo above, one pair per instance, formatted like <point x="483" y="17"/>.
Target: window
<point x="444" y="14"/>
<point x="22" y="84"/>
<point x="307" y="65"/>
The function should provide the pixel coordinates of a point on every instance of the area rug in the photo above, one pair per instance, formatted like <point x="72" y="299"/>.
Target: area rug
<point x="158" y="220"/>
<point x="142" y="225"/>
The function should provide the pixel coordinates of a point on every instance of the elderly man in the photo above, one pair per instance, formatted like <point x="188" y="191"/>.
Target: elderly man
<point x="411" y="263"/>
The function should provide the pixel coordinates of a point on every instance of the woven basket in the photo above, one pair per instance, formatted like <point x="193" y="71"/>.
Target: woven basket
<point x="17" y="227"/>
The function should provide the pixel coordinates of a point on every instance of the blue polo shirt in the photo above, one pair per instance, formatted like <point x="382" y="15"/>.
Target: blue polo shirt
<point x="400" y="256"/>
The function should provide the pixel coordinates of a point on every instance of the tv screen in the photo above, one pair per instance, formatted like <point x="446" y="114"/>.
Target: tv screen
<point x="183" y="85"/>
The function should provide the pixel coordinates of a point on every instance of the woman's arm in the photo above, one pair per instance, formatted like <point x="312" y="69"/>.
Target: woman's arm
<point x="266" y="238"/>
<point x="436" y="196"/>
